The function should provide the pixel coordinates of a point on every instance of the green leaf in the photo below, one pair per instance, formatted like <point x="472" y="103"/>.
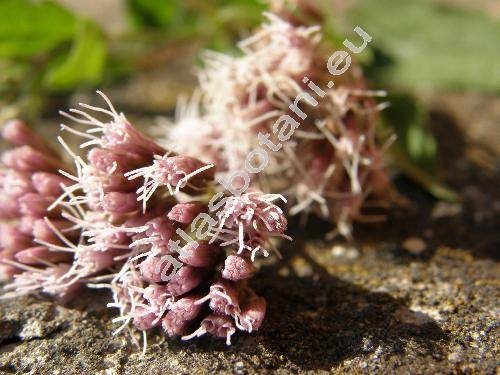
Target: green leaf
<point x="32" y="27"/>
<point x="85" y="63"/>
<point x="415" y="150"/>
<point x="407" y="119"/>
<point x="153" y="13"/>
<point x="426" y="45"/>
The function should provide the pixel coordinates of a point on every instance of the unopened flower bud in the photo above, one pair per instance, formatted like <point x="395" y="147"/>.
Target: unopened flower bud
<point x="185" y="213"/>
<point x="237" y="268"/>
<point x="49" y="183"/>
<point x="182" y="312"/>
<point x="199" y="254"/>
<point x="18" y="133"/>
<point x="185" y="279"/>
<point x="45" y="232"/>
<point x="40" y="255"/>
<point x="34" y="204"/>
<point x="253" y="313"/>
<point x="27" y="159"/>
<point x="12" y="238"/>
<point x="119" y="203"/>
<point x="144" y="319"/>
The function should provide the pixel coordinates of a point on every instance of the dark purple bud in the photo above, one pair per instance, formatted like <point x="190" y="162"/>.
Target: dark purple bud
<point x="185" y="279"/>
<point x="27" y="159"/>
<point x="41" y="255"/>
<point x="49" y="183"/>
<point x="199" y="254"/>
<point x="18" y="133"/>
<point x="119" y="203"/>
<point x="185" y="212"/>
<point x="237" y="268"/>
<point x="253" y="313"/>
<point x="145" y="319"/>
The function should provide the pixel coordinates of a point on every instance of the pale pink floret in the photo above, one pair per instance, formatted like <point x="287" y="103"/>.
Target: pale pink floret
<point x="119" y="203"/>
<point x="50" y="280"/>
<point x="158" y="298"/>
<point x="47" y="231"/>
<point x="15" y="184"/>
<point x="223" y="298"/>
<point x="36" y="205"/>
<point x="249" y="221"/>
<point x="185" y="279"/>
<point x="117" y="134"/>
<point x="144" y="319"/>
<point x="12" y="238"/>
<point x="174" y="172"/>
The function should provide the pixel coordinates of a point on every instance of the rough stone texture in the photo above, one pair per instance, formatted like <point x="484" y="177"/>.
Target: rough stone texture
<point x="379" y="304"/>
<point x="372" y="306"/>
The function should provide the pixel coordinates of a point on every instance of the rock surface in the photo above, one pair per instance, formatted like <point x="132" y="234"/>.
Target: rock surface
<point x="371" y="306"/>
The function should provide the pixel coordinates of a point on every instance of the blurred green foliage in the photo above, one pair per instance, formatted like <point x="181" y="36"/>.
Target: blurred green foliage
<point x="425" y="45"/>
<point x="46" y="50"/>
<point x="215" y="22"/>
<point x="30" y="28"/>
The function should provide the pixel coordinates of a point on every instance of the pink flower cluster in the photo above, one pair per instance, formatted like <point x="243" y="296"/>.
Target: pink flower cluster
<point x="137" y="219"/>
<point x="29" y="183"/>
<point x="316" y="130"/>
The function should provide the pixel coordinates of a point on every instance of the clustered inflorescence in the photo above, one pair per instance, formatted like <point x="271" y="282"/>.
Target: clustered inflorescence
<point x="116" y="224"/>
<point x="147" y="220"/>
<point x="332" y="162"/>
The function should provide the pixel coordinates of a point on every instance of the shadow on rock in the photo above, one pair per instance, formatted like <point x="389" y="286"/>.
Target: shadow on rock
<point x="317" y="322"/>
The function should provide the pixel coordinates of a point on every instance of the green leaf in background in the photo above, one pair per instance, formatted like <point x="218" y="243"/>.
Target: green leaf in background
<point x="427" y="45"/>
<point x="32" y="27"/>
<point x="85" y="62"/>
<point x="154" y="13"/>
<point x="407" y="119"/>
<point x="415" y="150"/>
<point x="216" y="22"/>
